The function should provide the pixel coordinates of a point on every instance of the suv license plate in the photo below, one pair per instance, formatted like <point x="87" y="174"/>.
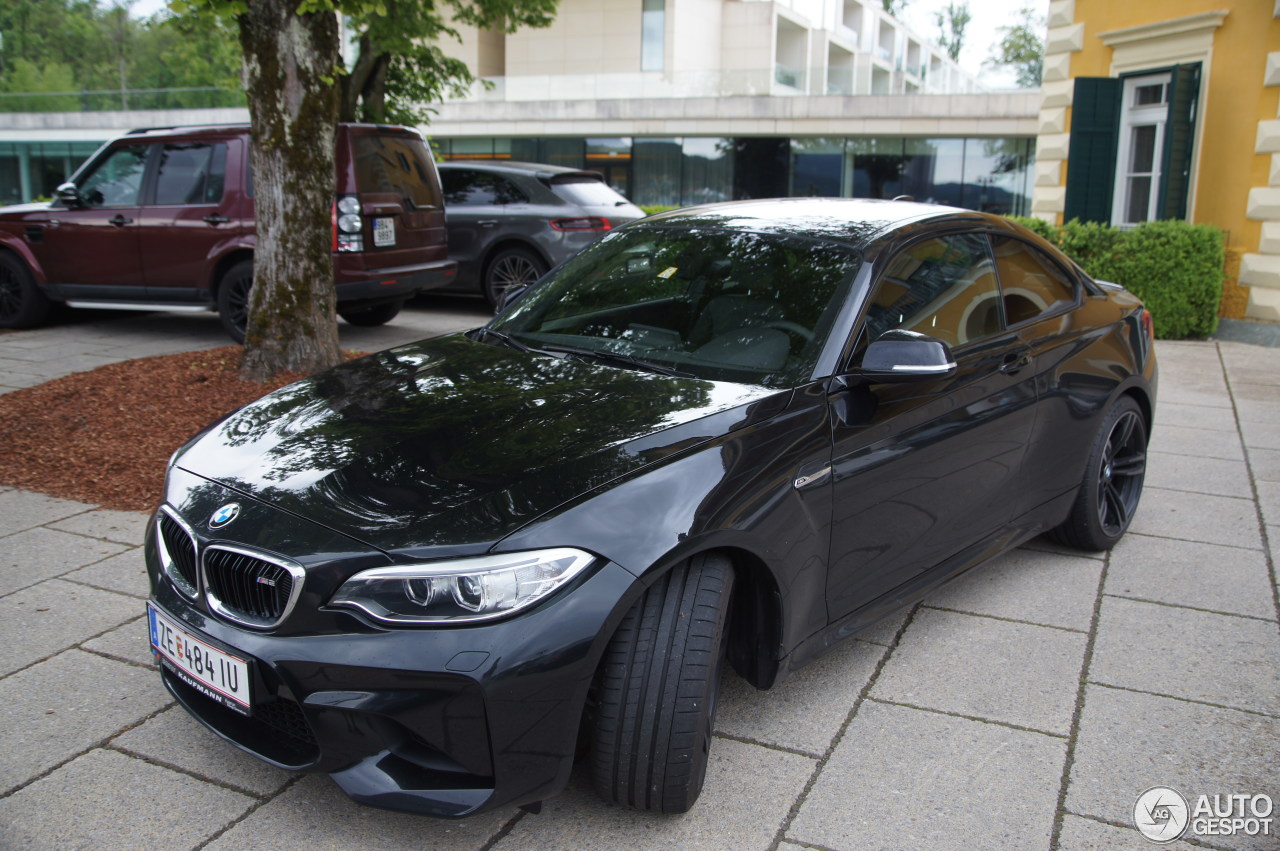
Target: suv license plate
<point x="210" y="671"/>
<point x="384" y="232"/>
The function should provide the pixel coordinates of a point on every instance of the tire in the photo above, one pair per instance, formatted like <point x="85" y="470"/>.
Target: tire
<point x="22" y="304"/>
<point x="1112" y="482"/>
<point x="233" y="299"/>
<point x="371" y="316"/>
<point x="509" y="268"/>
<point x="656" y="690"/>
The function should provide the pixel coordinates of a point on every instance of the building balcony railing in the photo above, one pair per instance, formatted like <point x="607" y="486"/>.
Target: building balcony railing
<point x="844" y="80"/>
<point x="781" y="79"/>
<point x="788" y="76"/>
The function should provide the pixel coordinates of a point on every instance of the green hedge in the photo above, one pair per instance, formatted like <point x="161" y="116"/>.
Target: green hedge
<point x="1175" y="267"/>
<point x="650" y="209"/>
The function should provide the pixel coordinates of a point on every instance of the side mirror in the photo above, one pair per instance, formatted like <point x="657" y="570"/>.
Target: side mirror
<point x="68" y="195"/>
<point x="900" y="356"/>
<point x="511" y="296"/>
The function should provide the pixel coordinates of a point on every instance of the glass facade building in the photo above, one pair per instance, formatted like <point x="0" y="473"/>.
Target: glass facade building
<point x="979" y="173"/>
<point x="31" y="170"/>
<point x="989" y="174"/>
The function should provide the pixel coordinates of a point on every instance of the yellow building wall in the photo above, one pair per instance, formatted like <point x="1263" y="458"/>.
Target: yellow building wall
<point x="1234" y="100"/>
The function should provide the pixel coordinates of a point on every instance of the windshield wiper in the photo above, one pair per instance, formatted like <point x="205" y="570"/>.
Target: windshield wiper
<point x="618" y="358"/>
<point x="506" y="339"/>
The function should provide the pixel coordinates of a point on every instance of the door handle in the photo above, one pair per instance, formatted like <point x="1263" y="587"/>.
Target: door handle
<point x="1014" y="362"/>
<point x="120" y="220"/>
<point x="488" y="223"/>
<point x="216" y="219"/>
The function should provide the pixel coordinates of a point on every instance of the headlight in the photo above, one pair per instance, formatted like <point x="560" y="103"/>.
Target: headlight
<point x="460" y="590"/>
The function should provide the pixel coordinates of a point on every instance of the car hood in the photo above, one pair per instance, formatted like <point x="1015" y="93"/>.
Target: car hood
<point x="19" y="210"/>
<point x="448" y="444"/>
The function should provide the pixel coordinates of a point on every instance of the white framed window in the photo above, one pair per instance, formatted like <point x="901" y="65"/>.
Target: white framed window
<point x="1144" y="111"/>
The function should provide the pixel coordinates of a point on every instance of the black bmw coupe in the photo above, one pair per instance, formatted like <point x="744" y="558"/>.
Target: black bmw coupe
<point x="728" y="435"/>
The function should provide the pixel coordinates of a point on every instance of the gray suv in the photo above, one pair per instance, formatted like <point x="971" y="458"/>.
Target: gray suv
<point x="510" y="222"/>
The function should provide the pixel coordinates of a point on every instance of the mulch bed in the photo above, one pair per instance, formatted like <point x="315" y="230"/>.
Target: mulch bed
<point x="105" y="435"/>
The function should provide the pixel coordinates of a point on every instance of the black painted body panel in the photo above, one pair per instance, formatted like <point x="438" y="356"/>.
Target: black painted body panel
<point x="838" y="501"/>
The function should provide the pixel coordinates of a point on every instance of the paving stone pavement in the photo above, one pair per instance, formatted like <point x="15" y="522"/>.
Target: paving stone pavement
<point x="1025" y="705"/>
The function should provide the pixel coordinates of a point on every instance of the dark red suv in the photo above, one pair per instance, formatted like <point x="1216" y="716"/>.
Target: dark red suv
<point x="163" y="219"/>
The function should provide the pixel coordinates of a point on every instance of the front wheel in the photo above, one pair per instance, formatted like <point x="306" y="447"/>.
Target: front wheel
<point x="656" y="691"/>
<point x="371" y="316"/>
<point x="233" y="299"/>
<point x="1112" y="484"/>
<point x="22" y="304"/>
<point x="508" y="269"/>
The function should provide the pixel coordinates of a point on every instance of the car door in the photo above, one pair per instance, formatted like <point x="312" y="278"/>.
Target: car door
<point x="187" y="216"/>
<point x="922" y="471"/>
<point x="475" y="208"/>
<point x="1041" y="300"/>
<point x="84" y="250"/>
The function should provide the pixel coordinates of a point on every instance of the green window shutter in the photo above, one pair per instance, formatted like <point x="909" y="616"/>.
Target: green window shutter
<point x="1091" y="157"/>
<point x="1179" y="134"/>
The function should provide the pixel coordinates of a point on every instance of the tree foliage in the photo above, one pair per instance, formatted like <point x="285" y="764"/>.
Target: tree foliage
<point x="952" y="22"/>
<point x="56" y="50"/>
<point x="400" y="65"/>
<point x="1022" y="48"/>
<point x="894" y="7"/>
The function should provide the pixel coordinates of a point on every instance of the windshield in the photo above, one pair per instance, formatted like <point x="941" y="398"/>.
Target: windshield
<point x="716" y="304"/>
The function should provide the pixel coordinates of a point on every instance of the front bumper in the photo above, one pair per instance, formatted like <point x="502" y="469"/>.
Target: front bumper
<point x="445" y="722"/>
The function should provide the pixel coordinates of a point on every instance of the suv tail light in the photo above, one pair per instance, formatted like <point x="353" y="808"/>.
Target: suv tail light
<point x="583" y="223"/>
<point x="348" y="226"/>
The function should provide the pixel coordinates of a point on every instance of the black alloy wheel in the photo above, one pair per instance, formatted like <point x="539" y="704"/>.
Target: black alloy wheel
<point x="1112" y="484"/>
<point x="22" y="305"/>
<point x="510" y="268"/>
<point x="233" y="299"/>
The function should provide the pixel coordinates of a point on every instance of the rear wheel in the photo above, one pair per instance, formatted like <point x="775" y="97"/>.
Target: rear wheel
<point x="1112" y="482"/>
<point x="22" y="305"/>
<point x="233" y="299"/>
<point x="508" y="269"/>
<point x="656" y="691"/>
<point x="370" y="316"/>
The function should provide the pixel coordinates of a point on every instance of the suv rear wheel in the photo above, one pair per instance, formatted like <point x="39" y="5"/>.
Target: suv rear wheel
<point x="22" y="305"/>
<point x="508" y="269"/>
<point x="233" y="299"/>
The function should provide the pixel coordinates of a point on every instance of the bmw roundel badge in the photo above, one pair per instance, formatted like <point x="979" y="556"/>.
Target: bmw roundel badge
<point x="224" y="515"/>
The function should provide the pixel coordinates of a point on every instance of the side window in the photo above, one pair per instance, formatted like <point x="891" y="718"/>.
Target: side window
<point x="191" y="173"/>
<point x="507" y="192"/>
<point x="117" y="179"/>
<point x="1032" y="284"/>
<point x="464" y="188"/>
<point x="943" y="287"/>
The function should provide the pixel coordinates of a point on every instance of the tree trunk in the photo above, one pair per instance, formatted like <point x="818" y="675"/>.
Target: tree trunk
<point x="290" y="63"/>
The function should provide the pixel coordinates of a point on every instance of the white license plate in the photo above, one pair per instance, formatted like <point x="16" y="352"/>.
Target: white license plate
<point x="384" y="232"/>
<point x="213" y="672"/>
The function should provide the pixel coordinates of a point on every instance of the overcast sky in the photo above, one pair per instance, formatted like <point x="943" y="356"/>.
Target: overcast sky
<point x="980" y="37"/>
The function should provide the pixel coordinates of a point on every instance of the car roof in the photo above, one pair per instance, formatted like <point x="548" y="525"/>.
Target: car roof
<point x="854" y="220"/>
<point x="539" y="170"/>
<point x="224" y="130"/>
